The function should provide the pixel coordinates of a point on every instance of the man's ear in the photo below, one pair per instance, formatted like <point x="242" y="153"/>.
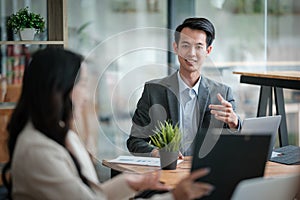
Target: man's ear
<point x="175" y="47"/>
<point x="208" y="50"/>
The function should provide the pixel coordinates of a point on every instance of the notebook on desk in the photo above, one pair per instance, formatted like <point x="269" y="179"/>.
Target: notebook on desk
<point x="263" y="125"/>
<point x="232" y="159"/>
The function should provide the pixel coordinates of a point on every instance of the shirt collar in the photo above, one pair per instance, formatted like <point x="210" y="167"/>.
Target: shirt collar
<point x="183" y="85"/>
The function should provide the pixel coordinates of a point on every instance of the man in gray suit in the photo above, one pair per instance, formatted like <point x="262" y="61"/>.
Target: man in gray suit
<point x="186" y="97"/>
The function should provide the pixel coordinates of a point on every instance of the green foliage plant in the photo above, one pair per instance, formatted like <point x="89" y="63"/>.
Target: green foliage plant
<point x="25" y="19"/>
<point x="167" y="136"/>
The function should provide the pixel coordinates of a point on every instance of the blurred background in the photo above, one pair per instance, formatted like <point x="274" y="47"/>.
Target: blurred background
<point x="128" y="42"/>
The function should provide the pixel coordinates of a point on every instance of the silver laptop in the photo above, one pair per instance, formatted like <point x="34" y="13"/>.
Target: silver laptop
<point x="276" y="188"/>
<point x="263" y="125"/>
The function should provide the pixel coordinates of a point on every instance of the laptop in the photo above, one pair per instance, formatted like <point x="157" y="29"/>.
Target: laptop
<point x="233" y="158"/>
<point x="276" y="188"/>
<point x="263" y="125"/>
<point x="289" y="155"/>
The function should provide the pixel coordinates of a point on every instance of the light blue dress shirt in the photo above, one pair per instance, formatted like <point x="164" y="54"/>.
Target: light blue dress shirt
<point x="189" y="114"/>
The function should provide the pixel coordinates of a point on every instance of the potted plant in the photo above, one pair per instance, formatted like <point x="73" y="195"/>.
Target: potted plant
<point x="26" y="22"/>
<point x="167" y="139"/>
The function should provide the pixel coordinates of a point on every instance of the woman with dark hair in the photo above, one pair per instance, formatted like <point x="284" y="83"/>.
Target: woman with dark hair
<point x="47" y="159"/>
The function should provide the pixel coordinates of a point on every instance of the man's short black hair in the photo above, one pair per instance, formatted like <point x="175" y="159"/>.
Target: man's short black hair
<point x="197" y="23"/>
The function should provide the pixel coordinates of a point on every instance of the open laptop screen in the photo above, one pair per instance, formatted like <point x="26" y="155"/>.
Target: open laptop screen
<point x="232" y="159"/>
<point x="263" y="125"/>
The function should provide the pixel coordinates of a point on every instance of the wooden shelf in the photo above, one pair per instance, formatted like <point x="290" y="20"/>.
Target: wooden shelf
<point x="30" y="42"/>
<point x="57" y="36"/>
<point x="13" y="92"/>
<point x="57" y="26"/>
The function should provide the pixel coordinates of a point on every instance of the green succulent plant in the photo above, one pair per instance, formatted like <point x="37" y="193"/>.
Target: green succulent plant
<point x="25" y="19"/>
<point x="167" y="136"/>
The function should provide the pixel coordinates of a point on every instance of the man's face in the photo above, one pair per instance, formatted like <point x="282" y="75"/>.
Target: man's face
<point x="191" y="50"/>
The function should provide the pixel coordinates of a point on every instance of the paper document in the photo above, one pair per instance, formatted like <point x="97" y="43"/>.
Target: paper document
<point x="136" y="160"/>
<point x="275" y="154"/>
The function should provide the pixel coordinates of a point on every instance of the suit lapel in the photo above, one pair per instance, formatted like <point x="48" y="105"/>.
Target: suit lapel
<point x="203" y="99"/>
<point x="206" y="96"/>
<point x="172" y="96"/>
<point x="173" y="106"/>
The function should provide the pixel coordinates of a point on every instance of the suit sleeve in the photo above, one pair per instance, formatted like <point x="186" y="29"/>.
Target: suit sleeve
<point x="138" y="141"/>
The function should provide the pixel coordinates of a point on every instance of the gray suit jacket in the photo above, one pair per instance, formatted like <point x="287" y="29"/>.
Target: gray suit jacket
<point x="160" y="101"/>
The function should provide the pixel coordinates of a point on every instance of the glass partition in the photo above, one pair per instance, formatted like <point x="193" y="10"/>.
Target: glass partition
<point x="120" y="40"/>
<point x="259" y="35"/>
<point x="125" y="45"/>
<point x="239" y="45"/>
<point x="283" y="53"/>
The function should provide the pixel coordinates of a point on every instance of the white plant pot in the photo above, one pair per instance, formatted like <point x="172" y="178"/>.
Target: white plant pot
<point x="27" y="34"/>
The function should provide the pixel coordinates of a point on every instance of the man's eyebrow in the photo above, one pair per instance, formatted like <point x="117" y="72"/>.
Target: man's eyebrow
<point x="185" y="42"/>
<point x="199" y="43"/>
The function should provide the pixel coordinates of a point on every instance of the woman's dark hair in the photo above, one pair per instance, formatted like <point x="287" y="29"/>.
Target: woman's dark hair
<point x="195" y="23"/>
<point x="45" y="98"/>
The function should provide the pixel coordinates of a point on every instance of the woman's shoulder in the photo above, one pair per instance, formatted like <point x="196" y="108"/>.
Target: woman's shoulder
<point x="31" y="137"/>
<point x="33" y="146"/>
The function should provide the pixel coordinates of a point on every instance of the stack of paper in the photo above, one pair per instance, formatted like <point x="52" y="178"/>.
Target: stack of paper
<point x="136" y="160"/>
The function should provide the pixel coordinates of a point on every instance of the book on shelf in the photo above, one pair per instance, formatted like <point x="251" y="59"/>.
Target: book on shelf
<point x="13" y="63"/>
<point x="13" y="69"/>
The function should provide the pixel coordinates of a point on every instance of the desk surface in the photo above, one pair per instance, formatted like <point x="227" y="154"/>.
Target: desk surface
<point x="172" y="177"/>
<point x="284" y="75"/>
